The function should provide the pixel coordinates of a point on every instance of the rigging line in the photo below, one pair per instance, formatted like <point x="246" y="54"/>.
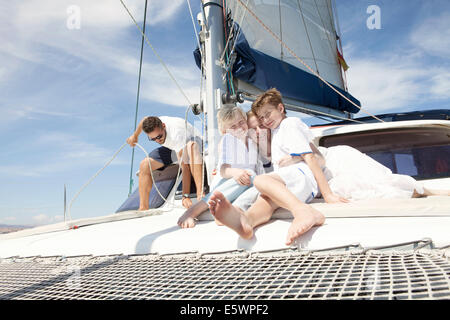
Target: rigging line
<point x="137" y="98"/>
<point x="236" y="37"/>
<point x="333" y="53"/>
<point x="237" y="34"/>
<point x="338" y="33"/>
<point x="153" y="179"/>
<point x="228" y="38"/>
<point x="309" y="68"/>
<point x="103" y="168"/>
<point x="193" y="23"/>
<point x="92" y="178"/>
<point x="157" y="55"/>
<point x="281" y="30"/>
<point x="307" y="34"/>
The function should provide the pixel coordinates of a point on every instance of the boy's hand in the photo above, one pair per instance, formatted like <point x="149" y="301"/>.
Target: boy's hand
<point x="188" y="222"/>
<point x="288" y="160"/>
<point x="132" y="140"/>
<point x="243" y="178"/>
<point x="334" y="198"/>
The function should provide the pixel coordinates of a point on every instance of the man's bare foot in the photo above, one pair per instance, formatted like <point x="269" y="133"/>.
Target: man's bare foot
<point x="306" y="218"/>
<point x="225" y="213"/>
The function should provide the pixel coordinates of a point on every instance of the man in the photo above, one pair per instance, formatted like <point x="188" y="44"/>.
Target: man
<point x="178" y="143"/>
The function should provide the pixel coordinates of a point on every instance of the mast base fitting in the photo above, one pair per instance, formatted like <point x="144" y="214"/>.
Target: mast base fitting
<point x="232" y="98"/>
<point x="197" y="108"/>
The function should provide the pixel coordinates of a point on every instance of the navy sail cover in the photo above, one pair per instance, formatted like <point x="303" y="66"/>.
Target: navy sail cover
<point x="265" y="72"/>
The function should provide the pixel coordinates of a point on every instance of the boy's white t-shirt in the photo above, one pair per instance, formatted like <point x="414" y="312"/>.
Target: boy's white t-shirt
<point x="233" y="151"/>
<point x="292" y="137"/>
<point x="177" y="136"/>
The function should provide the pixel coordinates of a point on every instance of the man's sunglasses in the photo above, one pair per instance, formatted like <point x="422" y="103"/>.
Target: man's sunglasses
<point x="156" y="138"/>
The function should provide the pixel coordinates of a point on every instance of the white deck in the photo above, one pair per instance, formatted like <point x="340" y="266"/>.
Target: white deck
<point x="371" y="224"/>
<point x="345" y="225"/>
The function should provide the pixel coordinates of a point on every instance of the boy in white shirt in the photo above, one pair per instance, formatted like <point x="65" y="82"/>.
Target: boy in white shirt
<point x="179" y="141"/>
<point x="238" y="161"/>
<point x="290" y="186"/>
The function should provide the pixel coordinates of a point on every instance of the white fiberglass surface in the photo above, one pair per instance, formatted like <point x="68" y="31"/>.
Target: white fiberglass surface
<point x="160" y="234"/>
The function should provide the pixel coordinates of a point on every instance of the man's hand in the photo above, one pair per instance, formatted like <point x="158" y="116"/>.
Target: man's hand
<point x="188" y="222"/>
<point x="334" y="198"/>
<point x="186" y="202"/>
<point x="243" y="178"/>
<point x="132" y="140"/>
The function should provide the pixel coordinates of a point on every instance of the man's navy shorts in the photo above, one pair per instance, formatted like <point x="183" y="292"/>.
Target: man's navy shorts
<point x="164" y="155"/>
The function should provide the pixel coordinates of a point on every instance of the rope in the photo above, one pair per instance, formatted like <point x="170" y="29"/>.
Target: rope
<point x="237" y="35"/>
<point x="92" y="178"/>
<point x="153" y="179"/>
<point x="307" y="34"/>
<point x="107" y="164"/>
<point x="326" y="31"/>
<point x="302" y="62"/>
<point x="335" y="17"/>
<point x="193" y="23"/>
<point x="157" y="55"/>
<point x="137" y="98"/>
<point x="164" y="65"/>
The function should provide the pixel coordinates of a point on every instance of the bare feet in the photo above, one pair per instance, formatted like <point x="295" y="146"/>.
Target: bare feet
<point x="143" y="209"/>
<point x="435" y="192"/>
<point x="306" y="217"/>
<point x="225" y="213"/>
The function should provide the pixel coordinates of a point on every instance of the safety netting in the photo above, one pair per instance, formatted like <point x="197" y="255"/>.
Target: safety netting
<point x="239" y="275"/>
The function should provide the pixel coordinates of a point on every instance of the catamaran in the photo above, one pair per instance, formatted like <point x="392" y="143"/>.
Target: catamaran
<point x="368" y="249"/>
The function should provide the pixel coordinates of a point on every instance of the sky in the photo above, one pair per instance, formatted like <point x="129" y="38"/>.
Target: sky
<point x="68" y="88"/>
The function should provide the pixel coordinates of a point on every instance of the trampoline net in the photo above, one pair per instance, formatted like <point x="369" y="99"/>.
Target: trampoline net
<point x="370" y="275"/>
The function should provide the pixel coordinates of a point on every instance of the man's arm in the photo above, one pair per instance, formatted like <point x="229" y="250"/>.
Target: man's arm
<point x="133" y="139"/>
<point x="322" y="182"/>
<point x="185" y="179"/>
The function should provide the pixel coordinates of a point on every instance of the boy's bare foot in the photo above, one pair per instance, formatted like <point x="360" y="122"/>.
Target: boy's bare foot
<point x="435" y="192"/>
<point x="224" y="212"/>
<point x="306" y="218"/>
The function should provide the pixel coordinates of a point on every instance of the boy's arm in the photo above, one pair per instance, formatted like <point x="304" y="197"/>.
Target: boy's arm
<point x="240" y="175"/>
<point x="133" y="139"/>
<point x="322" y="182"/>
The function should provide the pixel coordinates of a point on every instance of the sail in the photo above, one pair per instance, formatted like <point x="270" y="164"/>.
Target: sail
<point x="307" y="28"/>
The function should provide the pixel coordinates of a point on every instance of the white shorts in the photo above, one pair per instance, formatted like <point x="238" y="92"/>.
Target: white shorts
<point x="299" y="180"/>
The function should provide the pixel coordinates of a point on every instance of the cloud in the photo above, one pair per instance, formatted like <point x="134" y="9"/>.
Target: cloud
<point x="43" y="219"/>
<point x="433" y="36"/>
<point x="158" y="86"/>
<point x="67" y="152"/>
<point x="396" y="82"/>
<point x="41" y="38"/>
<point x="8" y="220"/>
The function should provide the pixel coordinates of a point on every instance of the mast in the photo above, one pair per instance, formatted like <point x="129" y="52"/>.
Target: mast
<point x="213" y="35"/>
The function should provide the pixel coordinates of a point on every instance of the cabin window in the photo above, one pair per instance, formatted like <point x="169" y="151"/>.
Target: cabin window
<point x="423" y="153"/>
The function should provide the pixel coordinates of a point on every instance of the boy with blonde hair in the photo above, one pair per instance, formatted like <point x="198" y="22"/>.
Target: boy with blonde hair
<point x="237" y="165"/>
<point x="290" y="186"/>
